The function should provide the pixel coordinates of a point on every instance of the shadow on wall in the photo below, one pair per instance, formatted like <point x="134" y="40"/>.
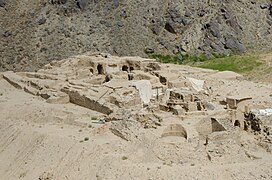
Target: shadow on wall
<point x="175" y="130"/>
<point x="208" y="126"/>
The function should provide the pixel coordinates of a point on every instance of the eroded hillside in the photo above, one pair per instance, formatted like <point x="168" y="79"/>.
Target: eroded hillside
<point x="34" y="32"/>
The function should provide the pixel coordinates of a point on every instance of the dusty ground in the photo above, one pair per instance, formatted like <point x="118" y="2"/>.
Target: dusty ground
<point x="65" y="141"/>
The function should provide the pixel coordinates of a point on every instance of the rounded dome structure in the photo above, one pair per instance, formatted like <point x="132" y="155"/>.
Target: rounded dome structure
<point x="175" y="130"/>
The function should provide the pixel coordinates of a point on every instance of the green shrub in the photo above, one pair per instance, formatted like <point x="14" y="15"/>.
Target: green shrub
<point x="236" y="63"/>
<point x="165" y="58"/>
<point x="179" y="58"/>
<point x="221" y="62"/>
<point x="124" y="158"/>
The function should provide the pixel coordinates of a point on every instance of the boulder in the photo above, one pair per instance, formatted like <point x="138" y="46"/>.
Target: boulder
<point x="42" y="21"/>
<point x="82" y="4"/>
<point x="2" y="3"/>
<point x="58" y="1"/>
<point x="214" y="28"/>
<point x="170" y="27"/>
<point x="233" y="44"/>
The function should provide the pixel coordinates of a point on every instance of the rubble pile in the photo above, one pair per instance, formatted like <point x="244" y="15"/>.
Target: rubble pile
<point x="202" y="111"/>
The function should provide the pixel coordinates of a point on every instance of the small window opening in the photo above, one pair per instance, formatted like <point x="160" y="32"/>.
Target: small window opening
<point x="125" y="68"/>
<point x="163" y="80"/>
<point x="237" y="123"/>
<point x="100" y="69"/>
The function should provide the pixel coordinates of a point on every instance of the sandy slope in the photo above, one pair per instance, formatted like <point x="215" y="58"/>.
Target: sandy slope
<point x="46" y="141"/>
<point x="39" y="140"/>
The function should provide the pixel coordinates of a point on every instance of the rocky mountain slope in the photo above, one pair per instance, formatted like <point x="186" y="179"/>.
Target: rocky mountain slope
<point x="34" y="32"/>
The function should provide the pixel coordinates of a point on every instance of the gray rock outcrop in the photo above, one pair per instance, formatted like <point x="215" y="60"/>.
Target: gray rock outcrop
<point x="33" y="33"/>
